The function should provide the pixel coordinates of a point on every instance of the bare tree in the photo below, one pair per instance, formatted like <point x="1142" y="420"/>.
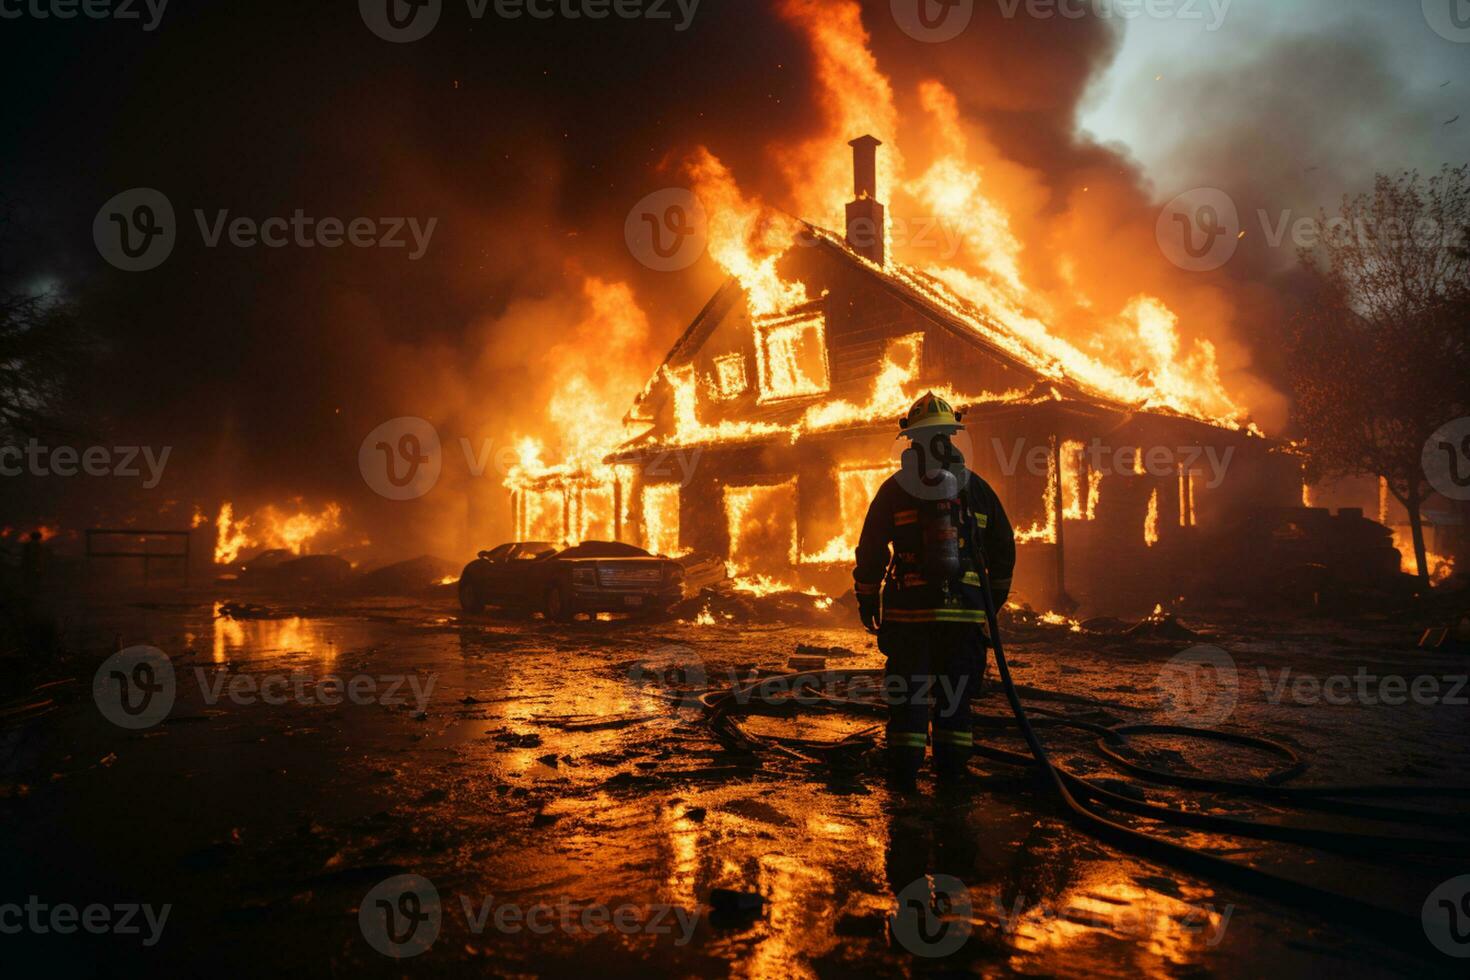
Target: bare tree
<point x="41" y="344"/>
<point x="1381" y="357"/>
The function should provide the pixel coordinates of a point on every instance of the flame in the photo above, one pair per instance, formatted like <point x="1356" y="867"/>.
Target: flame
<point x="1151" y="368"/>
<point x="762" y="524"/>
<point x="856" y="487"/>
<point x="661" y="520"/>
<point x="746" y="237"/>
<point x="230" y="538"/>
<point x="1057" y="619"/>
<point x="1130" y="349"/>
<point x="1045" y="530"/>
<point x="856" y="99"/>
<point x="271" y="527"/>
<point x="1441" y="567"/>
<point x="1151" y="522"/>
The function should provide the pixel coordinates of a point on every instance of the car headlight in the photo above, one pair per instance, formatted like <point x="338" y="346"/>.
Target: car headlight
<point x="584" y="576"/>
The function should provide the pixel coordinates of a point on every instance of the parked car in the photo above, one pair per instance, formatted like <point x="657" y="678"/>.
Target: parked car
<point x="593" y="577"/>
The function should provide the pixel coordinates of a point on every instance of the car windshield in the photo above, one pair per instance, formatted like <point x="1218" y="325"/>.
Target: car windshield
<point x="533" y="550"/>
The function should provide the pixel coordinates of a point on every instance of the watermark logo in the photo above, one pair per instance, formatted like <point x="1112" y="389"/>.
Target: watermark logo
<point x="404" y="21"/>
<point x="389" y="690"/>
<point x="668" y="230"/>
<point x="1199" y="687"/>
<point x="64" y="919"/>
<point x="1447" y="459"/>
<point x="1446" y="917"/>
<point x="402" y="458"/>
<point x="1211" y="13"/>
<point x="1199" y="230"/>
<point x="91" y="9"/>
<point x="401" y="21"/>
<point x="1450" y="19"/>
<point x="401" y="917"/>
<point x="135" y="688"/>
<point x="136" y="230"/>
<point x="69" y="461"/>
<point x="933" y="21"/>
<point x="931" y="916"/>
<point x="1364" y="688"/>
<point x="670" y="669"/>
<point x="934" y="466"/>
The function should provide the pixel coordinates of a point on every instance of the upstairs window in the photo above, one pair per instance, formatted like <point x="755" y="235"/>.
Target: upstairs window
<point x="730" y="379"/>
<point x="791" y="355"/>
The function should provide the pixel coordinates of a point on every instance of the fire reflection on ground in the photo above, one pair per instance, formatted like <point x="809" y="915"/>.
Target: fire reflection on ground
<point x="552" y="765"/>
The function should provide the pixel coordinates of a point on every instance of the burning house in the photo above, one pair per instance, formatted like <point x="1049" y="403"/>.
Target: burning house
<point x="772" y="420"/>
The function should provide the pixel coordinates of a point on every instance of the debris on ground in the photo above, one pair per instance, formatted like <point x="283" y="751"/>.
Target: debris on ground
<point x="245" y="610"/>
<point x="832" y="653"/>
<point x="1162" y="626"/>
<point x="727" y="901"/>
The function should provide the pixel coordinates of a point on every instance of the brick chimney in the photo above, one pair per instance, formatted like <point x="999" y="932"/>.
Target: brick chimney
<point x="866" y="230"/>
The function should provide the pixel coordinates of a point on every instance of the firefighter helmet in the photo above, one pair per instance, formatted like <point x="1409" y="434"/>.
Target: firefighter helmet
<point x="930" y="415"/>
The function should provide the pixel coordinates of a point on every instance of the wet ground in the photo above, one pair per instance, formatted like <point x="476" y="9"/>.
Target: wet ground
<point x="341" y="785"/>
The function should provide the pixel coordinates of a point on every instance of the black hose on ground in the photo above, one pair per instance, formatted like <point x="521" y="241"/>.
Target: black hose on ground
<point x="1405" y="931"/>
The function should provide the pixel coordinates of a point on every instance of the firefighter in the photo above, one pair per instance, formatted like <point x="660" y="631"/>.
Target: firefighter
<point x="918" y="588"/>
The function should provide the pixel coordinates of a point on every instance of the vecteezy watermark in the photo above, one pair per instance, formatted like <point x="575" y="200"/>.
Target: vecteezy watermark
<point x="1310" y="231"/>
<point x="933" y="21"/>
<point x="404" y="458"/>
<point x="1446" y="917"/>
<point x="401" y="459"/>
<point x="1447" y="459"/>
<point x="137" y="230"/>
<point x="1146" y="919"/>
<point x="135" y="688"/>
<point x="1450" y="19"/>
<point x="670" y="671"/>
<point x="138" y="687"/>
<point x="402" y="917"/>
<point x="405" y="21"/>
<point x="64" y="919"/>
<point x="931" y="916"/>
<point x="69" y="461"/>
<point x="1199" y="230"/>
<point x="121" y="10"/>
<point x="668" y="230"/>
<point x="1104" y="460"/>
<point x="1211" y="12"/>
<point x="1364" y="688"/>
<point x="1199" y="687"/>
<point x="311" y="690"/>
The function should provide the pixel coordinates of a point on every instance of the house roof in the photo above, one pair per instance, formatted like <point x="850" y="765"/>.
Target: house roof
<point x="935" y="301"/>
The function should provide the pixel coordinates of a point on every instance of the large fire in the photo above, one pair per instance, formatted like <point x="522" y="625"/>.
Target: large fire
<point x="271" y="527"/>
<point x="1129" y="351"/>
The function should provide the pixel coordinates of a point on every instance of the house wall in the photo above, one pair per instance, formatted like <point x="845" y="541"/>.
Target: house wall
<point x="1100" y="559"/>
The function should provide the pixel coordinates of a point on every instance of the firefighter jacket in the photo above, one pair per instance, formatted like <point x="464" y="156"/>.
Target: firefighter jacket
<point x="890" y="556"/>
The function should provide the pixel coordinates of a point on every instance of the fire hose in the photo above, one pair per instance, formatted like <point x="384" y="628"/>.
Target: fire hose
<point x="1076" y="792"/>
